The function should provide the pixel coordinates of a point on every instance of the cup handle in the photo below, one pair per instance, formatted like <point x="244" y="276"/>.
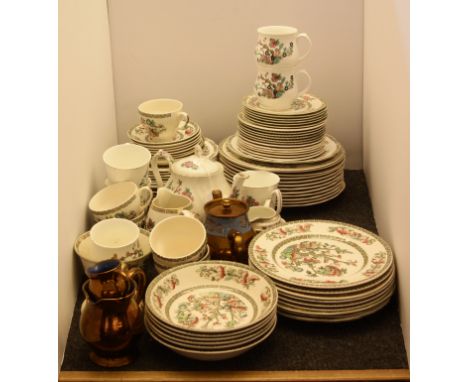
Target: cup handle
<point x="309" y="81"/>
<point x="155" y="168"/>
<point x="309" y="45"/>
<point x="146" y="194"/>
<point x="139" y="276"/>
<point x="183" y="116"/>
<point x="276" y="201"/>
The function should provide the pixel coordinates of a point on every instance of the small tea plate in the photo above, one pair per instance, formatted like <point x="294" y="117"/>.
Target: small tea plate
<point x="304" y="104"/>
<point x="142" y="134"/>
<point x="320" y="254"/>
<point x="82" y="248"/>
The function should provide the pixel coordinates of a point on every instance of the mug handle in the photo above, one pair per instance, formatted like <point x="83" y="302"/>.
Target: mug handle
<point x="139" y="276"/>
<point x="146" y="194"/>
<point x="309" y="81"/>
<point x="276" y="200"/>
<point x="185" y="116"/>
<point x="154" y="165"/>
<point x="309" y="45"/>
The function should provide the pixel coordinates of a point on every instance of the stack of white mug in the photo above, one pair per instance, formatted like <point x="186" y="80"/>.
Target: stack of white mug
<point x="278" y="60"/>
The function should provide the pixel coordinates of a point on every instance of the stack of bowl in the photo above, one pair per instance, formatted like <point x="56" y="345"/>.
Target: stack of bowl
<point x="178" y="240"/>
<point x="212" y="310"/>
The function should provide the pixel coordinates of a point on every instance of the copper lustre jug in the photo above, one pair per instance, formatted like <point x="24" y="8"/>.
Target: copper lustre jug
<point x="228" y="228"/>
<point x="110" y="324"/>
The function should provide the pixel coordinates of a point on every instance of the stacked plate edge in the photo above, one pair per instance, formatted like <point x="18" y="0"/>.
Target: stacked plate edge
<point x="211" y="310"/>
<point x="325" y="271"/>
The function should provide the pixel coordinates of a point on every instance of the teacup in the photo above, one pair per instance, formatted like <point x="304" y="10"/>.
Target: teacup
<point x="114" y="238"/>
<point x="260" y="188"/>
<point x="177" y="240"/>
<point x="163" y="116"/>
<point x="163" y="208"/>
<point x="119" y="200"/>
<point x="126" y="162"/>
<point x="277" y="89"/>
<point x="277" y="45"/>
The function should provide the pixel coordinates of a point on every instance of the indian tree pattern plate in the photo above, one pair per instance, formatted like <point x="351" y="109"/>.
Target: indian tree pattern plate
<point x="304" y="104"/>
<point x="212" y="296"/>
<point x="143" y="134"/>
<point x="320" y="254"/>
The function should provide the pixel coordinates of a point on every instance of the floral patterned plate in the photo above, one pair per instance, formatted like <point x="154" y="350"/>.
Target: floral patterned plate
<point x="304" y="104"/>
<point x="281" y="121"/>
<point x="212" y="296"/>
<point x="82" y="248"/>
<point x="142" y="134"/>
<point x="320" y="254"/>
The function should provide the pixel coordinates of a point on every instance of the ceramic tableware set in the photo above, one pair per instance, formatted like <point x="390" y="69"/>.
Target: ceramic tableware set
<point x="283" y="130"/>
<point x="325" y="271"/>
<point x="164" y="126"/>
<point x="212" y="310"/>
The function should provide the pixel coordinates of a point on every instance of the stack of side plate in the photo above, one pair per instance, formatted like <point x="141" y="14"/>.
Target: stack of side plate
<point x="325" y="271"/>
<point x="302" y="183"/>
<point x="210" y="310"/>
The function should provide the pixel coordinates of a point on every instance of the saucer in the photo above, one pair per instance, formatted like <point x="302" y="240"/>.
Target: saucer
<point x="82" y="248"/>
<point x="142" y="134"/>
<point x="304" y="104"/>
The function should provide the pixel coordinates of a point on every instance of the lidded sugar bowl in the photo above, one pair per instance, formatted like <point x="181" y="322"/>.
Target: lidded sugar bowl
<point x="228" y="228"/>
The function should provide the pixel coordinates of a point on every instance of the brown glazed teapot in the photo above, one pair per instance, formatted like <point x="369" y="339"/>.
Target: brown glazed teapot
<point x="228" y="228"/>
<point x="109" y="324"/>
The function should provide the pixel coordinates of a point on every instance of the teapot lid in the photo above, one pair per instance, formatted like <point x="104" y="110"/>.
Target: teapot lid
<point x="226" y="208"/>
<point x="195" y="165"/>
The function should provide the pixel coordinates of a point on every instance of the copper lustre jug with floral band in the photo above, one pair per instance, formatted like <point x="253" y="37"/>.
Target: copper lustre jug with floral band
<point x="228" y="229"/>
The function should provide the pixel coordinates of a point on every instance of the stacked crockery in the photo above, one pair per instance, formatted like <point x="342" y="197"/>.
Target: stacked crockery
<point x="325" y="270"/>
<point x="212" y="310"/>
<point x="283" y="130"/>
<point x="113" y="238"/>
<point x="163" y="125"/>
<point x="178" y="240"/>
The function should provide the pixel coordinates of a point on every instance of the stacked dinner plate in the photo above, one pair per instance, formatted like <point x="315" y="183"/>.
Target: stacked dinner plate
<point x="325" y="270"/>
<point x="292" y="143"/>
<point x="210" y="310"/>
<point x="183" y="145"/>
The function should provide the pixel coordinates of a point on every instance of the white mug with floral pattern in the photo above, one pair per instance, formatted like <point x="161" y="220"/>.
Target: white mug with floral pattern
<point x="277" y="89"/>
<point x="162" y="209"/>
<point x="277" y="45"/>
<point x="260" y="188"/>
<point x="163" y="117"/>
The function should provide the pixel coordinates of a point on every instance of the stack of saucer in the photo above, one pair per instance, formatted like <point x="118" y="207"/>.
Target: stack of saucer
<point x="212" y="310"/>
<point x="324" y="270"/>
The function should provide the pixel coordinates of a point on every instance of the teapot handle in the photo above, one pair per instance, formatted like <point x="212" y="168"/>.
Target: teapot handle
<point x="139" y="276"/>
<point x="154" y="165"/>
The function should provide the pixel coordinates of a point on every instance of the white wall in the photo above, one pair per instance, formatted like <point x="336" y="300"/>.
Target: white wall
<point x="386" y="131"/>
<point x="86" y="129"/>
<point x="201" y="52"/>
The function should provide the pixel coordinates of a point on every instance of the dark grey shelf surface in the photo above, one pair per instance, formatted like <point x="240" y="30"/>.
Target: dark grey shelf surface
<point x="373" y="342"/>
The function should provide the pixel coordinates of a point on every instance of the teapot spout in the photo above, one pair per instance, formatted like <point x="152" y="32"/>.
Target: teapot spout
<point x="237" y="183"/>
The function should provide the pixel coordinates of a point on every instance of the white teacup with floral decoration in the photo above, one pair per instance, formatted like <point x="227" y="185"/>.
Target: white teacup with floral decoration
<point x="163" y="116"/>
<point x="277" y="89"/>
<point x="114" y="238"/>
<point x="126" y="162"/>
<point x="260" y="188"/>
<point x="120" y="200"/>
<point x="163" y="208"/>
<point x="277" y="45"/>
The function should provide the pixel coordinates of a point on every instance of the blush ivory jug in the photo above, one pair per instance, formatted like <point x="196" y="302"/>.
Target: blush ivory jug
<point x="194" y="177"/>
